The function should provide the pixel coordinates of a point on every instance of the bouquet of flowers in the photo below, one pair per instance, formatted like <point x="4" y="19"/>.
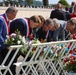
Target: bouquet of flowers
<point x="24" y="50"/>
<point x="70" y="61"/>
<point x="15" y="39"/>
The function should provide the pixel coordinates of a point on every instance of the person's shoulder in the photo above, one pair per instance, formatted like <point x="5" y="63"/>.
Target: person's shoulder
<point x="1" y="19"/>
<point x="55" y="10"/>
<point x="17" y="19"/>
<point x="62" y="21"/>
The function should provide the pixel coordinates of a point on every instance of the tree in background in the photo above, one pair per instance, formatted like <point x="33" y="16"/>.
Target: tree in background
<point x="45" y="3"/>
<point x="29" y="2"/>
<point x="64" y="2"/>
<point x="20" y="1"/>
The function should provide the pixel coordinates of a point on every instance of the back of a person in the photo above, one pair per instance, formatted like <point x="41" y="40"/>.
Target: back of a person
<point x="41" y="34"/>
<point x="67" y="13"/>
<point x="59" y="34"/>
<point x="59" y="14"/>
<point x="67" y="16"/>
<point x="18" y="24"/>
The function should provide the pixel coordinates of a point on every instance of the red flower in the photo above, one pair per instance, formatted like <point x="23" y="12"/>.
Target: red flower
<point x="74" y="36"/>
<point x="31" y="36"/>
<point x="34" y="49"/>
<point x="69" y="46"/>
<point x="66" y="60"/>
<point x="72" y="57"/>
<point x="74" y="51"/>
<point x="40" y="53"/>
<point x="52" y="47"/>
<point x="71" y="51"/>
<point x="72" y="62"/>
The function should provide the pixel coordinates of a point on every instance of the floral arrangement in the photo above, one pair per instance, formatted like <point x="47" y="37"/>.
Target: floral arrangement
<point x="24" y="50"/>
<point x="15" y="39"/>
<point x="74" y="36"/>
<point x="70" y="61"/>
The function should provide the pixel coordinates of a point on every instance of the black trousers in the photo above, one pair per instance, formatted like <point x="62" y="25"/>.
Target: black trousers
<point x="12" y="67"/>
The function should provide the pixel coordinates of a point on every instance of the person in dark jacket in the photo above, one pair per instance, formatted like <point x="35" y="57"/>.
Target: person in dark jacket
<point x="43" y="32"/>
<point x="25" y="25"/>
<point x="58" y="13"/>
<point x="67" y="13"/>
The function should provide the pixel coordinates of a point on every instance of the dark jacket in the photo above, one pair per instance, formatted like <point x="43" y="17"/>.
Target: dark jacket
<point x="67" y="16"/>
<point x="20" y="25"/>
<point x="41" y="34"/>
<point x="59" y="14"/>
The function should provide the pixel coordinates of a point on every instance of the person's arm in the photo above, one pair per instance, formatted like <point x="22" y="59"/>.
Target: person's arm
<point x="56" y="34"/>
<point x="52" y="14"/>
<point x="63" y="35"/>
<point x="2" y="34"/>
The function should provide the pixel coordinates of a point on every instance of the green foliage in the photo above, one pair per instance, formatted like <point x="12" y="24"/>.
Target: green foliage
<point x="15" y="39"/>
<point x="70" y="67"/>
<point x="29" y="2"/>
<point x="0" y="4"/>
<point x="64" y="2"/>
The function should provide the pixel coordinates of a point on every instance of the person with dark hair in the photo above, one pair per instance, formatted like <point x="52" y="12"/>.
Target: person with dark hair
<point x="25" y="25"/>
<point x="43" y="32"/>
<point x="39" y="26"/>
<point x="5" y="18"/>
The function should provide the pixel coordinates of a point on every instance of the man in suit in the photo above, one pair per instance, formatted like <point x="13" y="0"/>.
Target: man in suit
<point x="55" y="33"/>
<point x="63" y="31"/>
<point x="43" y="32"/>
<point x="5" y="18"/>
<point x="47" y="32"/>
<point x="58" y="13"/>
<point x="25" y="26"/>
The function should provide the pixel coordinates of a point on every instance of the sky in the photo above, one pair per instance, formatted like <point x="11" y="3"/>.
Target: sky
<point x="56" y="1"/>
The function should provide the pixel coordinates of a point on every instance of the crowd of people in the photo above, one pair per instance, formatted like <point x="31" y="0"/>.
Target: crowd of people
<point x="58" y="26"/>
